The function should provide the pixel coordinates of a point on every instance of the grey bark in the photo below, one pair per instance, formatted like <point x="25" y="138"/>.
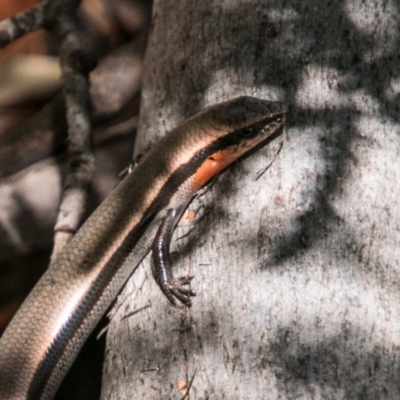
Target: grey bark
<point x="297" y="273"/>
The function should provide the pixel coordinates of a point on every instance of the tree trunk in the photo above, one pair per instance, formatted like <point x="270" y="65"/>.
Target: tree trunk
<point x="297" y="272"/>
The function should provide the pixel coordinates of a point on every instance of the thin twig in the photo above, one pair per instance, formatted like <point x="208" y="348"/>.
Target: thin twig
<point x="135" y="311"/>
<point x="27" y="21"/>
<point x="59" y="16"/>
<point x="113" y="85"/>
<point x="189" y="385"/>
<point x="75" y="66"/>
<point x="267" y="167"/>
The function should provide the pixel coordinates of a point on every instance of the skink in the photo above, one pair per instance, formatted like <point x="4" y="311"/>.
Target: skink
<point x="43" y="339"/>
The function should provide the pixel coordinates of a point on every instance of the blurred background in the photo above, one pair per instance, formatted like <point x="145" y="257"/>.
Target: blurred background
<point x="33" y="137"/>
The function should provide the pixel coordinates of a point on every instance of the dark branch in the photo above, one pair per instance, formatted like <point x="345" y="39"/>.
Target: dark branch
<point x="27" y="21"/>
<point x="75" y="66"/>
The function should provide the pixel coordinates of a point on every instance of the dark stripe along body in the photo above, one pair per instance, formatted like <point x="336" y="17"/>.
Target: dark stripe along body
<point x="51" y="326"/>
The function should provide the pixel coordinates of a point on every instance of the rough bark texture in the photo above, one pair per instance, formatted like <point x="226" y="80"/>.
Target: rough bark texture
<point x="297" y="273"/>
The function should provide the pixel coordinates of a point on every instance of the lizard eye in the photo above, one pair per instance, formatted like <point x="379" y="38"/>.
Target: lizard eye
<point x="247" y="133"/>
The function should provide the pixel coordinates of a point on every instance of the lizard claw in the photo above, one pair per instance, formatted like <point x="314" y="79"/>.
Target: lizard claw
<point x="174" y="290"/>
